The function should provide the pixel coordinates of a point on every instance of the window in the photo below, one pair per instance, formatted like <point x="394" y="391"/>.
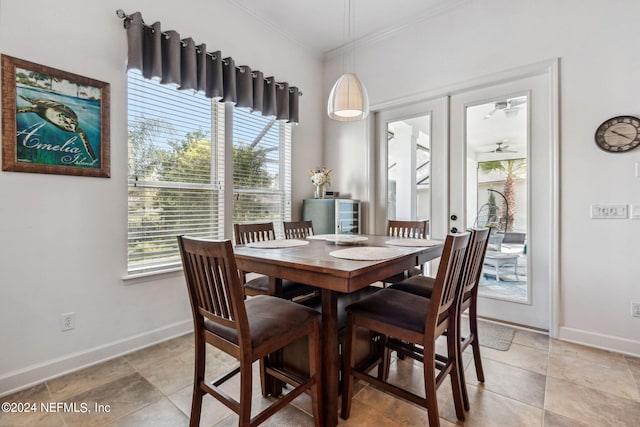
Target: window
<point x="261" y="169"/>
<point x="177" y="170"/>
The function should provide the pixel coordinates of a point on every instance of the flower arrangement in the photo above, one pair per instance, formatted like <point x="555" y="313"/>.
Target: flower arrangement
<point x="320" y="177"/>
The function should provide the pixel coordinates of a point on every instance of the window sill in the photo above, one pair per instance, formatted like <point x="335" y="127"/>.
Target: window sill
<point x="132" y="279"/>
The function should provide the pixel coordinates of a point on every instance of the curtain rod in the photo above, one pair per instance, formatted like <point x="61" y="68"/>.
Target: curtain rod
<point x="242" y="68"/>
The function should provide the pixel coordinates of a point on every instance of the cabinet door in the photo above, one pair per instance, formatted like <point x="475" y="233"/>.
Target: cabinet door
<point x="322" y="212"/>
<point x="347" y="216"/>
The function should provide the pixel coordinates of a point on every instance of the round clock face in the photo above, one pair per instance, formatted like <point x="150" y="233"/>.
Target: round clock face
<point x="619" y="134"/>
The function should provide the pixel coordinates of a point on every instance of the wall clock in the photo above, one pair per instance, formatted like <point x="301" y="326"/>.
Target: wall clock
<point x="619" y="134"/>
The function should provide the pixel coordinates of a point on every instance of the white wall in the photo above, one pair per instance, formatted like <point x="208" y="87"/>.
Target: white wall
<point x="63" y="239"/>
<point x="599" y="69"/>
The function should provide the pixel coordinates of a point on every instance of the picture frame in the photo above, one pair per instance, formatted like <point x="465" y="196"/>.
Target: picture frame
<point x="53" y="121"/>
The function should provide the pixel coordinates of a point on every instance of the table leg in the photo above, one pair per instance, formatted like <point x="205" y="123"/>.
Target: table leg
<point x="330" y="357"/>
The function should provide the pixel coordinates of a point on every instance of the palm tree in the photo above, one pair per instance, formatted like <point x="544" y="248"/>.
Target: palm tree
<point x="512" y="169"/>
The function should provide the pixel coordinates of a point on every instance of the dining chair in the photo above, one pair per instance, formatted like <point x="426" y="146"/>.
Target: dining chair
<point x="472" y="271"/>
<point x="247" y="329"/>
<point x="297" y="229"/>
<point x="249" y="233"/>
<point x="411" y="230"/>
<point x="412" y="323"/>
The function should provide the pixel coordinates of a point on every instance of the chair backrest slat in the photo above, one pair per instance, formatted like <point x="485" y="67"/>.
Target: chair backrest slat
<point x="409" y="229"/>
<point x="216" y="288"/>
<point x="475" y="257"/>
<point x="248" y="233"/>
<point x="297" y="229"/>
<point x="213" y="282"/>
<point x="447" y="285"/>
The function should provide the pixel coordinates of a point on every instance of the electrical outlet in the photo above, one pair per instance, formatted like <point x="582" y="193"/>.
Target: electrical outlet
<point x="635" y="309"/>
<point x="609" y="211"/>
<point x="67" y="321"/>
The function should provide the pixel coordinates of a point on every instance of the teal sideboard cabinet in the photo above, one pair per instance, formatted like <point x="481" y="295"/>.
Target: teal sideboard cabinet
<point x="332" y="216"/>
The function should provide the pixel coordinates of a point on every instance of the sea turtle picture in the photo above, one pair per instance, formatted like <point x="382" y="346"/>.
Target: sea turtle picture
<point x="58" y="115"/>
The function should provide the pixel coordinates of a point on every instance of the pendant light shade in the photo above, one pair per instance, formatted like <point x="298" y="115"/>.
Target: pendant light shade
<point x="348" y="100"/>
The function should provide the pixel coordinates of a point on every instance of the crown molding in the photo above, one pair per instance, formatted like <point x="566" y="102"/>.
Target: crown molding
<point x="378" y="36"/>
<point x="365" y="40"/>
<point x="276" y="29"/>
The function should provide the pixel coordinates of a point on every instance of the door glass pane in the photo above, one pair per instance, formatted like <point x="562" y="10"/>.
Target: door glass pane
<point x="409" y="168"/>
<point x="497" y="141"/>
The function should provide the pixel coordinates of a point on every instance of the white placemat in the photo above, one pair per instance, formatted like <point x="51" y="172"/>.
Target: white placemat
<point x="367" y="253"/>
<point x="339" y="238"/>
<point x="275" y="244"/>
<point x="322" y="236"/>
<point x="346" y="238"/>
<point x="413" y="242"/>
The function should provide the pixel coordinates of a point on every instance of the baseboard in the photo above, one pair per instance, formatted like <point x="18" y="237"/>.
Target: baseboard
<point x="23" y="378"/>
<point x="601" y="341"/>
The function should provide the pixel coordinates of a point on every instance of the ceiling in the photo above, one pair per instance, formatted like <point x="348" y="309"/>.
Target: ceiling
<point x="320" y="24"/>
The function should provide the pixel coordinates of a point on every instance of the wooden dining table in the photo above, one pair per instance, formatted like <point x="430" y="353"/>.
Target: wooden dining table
<point x="312" y="264"/>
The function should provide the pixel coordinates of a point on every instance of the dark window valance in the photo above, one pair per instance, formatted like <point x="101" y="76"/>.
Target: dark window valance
<point x="164" y="55"/>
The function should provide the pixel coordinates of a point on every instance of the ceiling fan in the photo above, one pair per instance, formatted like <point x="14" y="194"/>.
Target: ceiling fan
<point x="509" y="107"/>
<point x="500" y="148"/>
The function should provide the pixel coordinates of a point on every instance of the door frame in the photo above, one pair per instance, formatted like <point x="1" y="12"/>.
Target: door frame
<point x="549" y="67"/>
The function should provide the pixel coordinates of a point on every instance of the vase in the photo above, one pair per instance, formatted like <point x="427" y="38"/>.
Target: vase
<point x="320" y="192"/>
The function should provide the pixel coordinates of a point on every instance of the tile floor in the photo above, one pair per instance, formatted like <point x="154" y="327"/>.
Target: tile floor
<point x="538" y="382"/>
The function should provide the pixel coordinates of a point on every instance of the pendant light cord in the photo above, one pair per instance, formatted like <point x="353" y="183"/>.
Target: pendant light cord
<point x="352" y="34"/>
<point x="345" y="34"/>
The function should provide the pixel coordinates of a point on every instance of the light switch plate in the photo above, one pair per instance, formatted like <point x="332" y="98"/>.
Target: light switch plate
<point x="635" y="211"/>
<point x="609" y="211"/>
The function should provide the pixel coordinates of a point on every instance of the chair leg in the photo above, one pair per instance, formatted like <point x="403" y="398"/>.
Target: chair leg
<point x="315" y="370"/>
<point x="453" y="341"/>
<point x="198" y="378"/>
<point x="264" y="377"/>
<point x="383" y="369"/>
<point x="430" y="389"/>
<point x="245" y="394"/>
<point x="475" y="344"/>
<point x="463" y="381"/>
<point x="196" y="406"/>
<point x="349" y="363"/>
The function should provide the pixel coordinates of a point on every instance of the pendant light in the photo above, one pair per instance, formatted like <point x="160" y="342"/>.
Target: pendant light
<point x="348" y="100"/>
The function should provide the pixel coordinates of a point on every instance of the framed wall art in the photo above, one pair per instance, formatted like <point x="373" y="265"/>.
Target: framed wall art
<point x="53" y="121"/>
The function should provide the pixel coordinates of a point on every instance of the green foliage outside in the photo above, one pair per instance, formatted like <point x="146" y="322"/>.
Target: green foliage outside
<point x="250" y="174"/>
<point x="511" y="169"/>
<point x="162" y="212"/>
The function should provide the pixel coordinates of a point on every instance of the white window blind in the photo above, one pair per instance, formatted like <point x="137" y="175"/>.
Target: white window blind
<point x="261" y="169"/>
<point x="176" y="172"/>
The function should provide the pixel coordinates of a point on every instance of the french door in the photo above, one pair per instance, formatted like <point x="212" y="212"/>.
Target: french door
<point x="482" y="157"/>
<point x="501" y="176"/>
<point x="412" y="163"/>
